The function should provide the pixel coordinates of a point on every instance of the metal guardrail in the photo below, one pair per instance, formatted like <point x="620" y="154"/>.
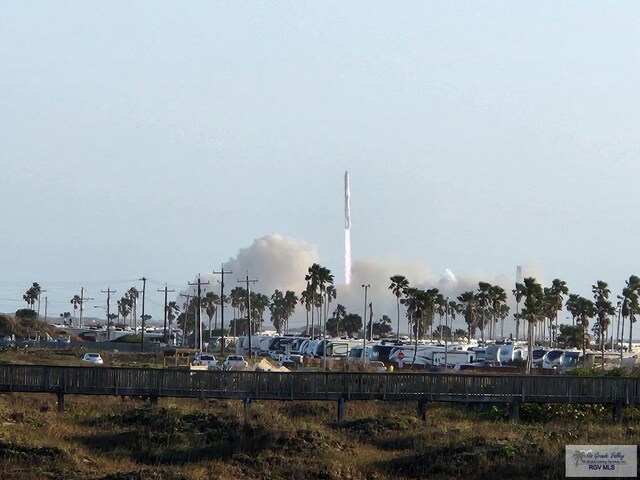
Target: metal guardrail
<point x="176" y="382"/>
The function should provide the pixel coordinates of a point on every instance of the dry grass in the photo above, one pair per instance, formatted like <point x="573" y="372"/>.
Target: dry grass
<point x="110" y="438"/>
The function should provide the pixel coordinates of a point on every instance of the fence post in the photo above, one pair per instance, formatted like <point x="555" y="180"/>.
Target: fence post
<point x="514" y="410"/>
<point x="618" y="411"/>
<point x="60" y="395"/>
<point x="422" y="410"/>
<point x="341" y="408"/>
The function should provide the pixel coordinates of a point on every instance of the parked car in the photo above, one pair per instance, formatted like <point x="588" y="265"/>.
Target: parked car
<point x="235" y="362"/>
<point x="205" y="359"/>
<point x="92" y="358"/>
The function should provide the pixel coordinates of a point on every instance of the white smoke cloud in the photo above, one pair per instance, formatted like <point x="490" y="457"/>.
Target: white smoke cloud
<point x="280" y="262"/>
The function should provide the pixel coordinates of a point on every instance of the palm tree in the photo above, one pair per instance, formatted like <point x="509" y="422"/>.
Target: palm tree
<point x="318" y="278"/>
<point x="132" y="294"/>
<point x="518" y="293"/>
<point x="633" y="284"/>
<point x="276" y="307"/>
<point x="210" y="304"/>
<point x="75" y="301"/>
<point x="497" y="300"/>
<point x="32" y="294"/>
<point x="452" y="308"/>
<point x="330" y="294"/>
<point x="571" y="305"/>
<point x="441" y="309"/>
<point x="585" y="309"/>
<point x="339" y="313"/>
<point x="604" y="309"/>
<point x="482" y="300"/>
<point x="410" y="300"/>
<point x="124" y="307"/>
<point x="555" y="299"/>
<point x="532" y="311"/>
<point x="399" y="284"/>
<point x="259" y="303"/>
<point x="467" y="306"/>
<point x="173" y="310"/>
<point x="290" y="303"/>
<point x="305" y="300"/>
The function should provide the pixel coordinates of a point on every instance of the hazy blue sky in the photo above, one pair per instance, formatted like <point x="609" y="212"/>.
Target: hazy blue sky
<point x="159" y="138"/>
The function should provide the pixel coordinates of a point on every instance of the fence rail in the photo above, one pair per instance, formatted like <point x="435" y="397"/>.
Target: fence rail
<point x="439" y="387"/>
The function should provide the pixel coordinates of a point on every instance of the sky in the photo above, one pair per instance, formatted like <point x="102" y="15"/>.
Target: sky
<point x="165" y="139"/>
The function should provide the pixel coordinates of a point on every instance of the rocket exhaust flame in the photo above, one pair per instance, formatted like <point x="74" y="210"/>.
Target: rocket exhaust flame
<point x="347" y="230"/>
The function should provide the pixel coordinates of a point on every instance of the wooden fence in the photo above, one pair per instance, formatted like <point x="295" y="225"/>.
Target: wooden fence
<point x="421" y="387"/>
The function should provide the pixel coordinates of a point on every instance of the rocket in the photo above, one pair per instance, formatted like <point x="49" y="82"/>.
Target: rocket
<point x="347" y="202"/>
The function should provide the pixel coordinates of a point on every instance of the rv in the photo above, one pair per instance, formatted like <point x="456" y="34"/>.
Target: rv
<point x="505" y="353"/>
<point x="258" y="343"/>
<point x="336" y="347"/>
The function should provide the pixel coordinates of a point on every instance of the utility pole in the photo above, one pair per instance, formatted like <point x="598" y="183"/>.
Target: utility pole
<point x="222" y="273"/>
<point x="46" y="304"/>
<point x="371" y="322"/>
<point x="199" y="284"/>
<point x="364" y="324"/>
<point x="108" y="291"/>
<point x="164" y="330"/>
<point x="144" y="286"/>
<point x="82" y="300"/>
<point x="184" y="323"/>
<point x="247" y="282"/>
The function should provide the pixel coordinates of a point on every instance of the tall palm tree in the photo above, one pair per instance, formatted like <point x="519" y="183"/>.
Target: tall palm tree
<point x="585" y="309"/>
<point x="604" y="309"/>
<point x="75" y="301"/>
<point x="452" y="309"/>
<point x="330" y="294"/>
<point x="276" y="307"/>
<point x="339" y="313"/>
<point x="173" y="310"/>
<point x="497" y="299"/>
<point x="290" y="303"/>
<point x="518" y="293"/>
<point x="571" y="305"/>
<point x="399" y="284"/>
<point x="133" y="294"/>
<point x="32" y="295"/>
<point x="633" y="284"/>
<point x="467" y="306"/>
<point x="482" y="300"/>
<point x="210" y="303"/>
<point x="441" y="310"/>
<point x="532" y="310"/>
<point x="318" y="277"/>
<point x="306" y="300"/>
<point x="124" y="308"/>
<point x="410" y="300"/>
<point x="555" y="296"/>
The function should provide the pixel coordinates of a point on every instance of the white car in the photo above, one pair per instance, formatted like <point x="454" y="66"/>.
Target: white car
<point x="206" y="360"/>
<point x="92" y="358"/>
<point x="235" y="362"/>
